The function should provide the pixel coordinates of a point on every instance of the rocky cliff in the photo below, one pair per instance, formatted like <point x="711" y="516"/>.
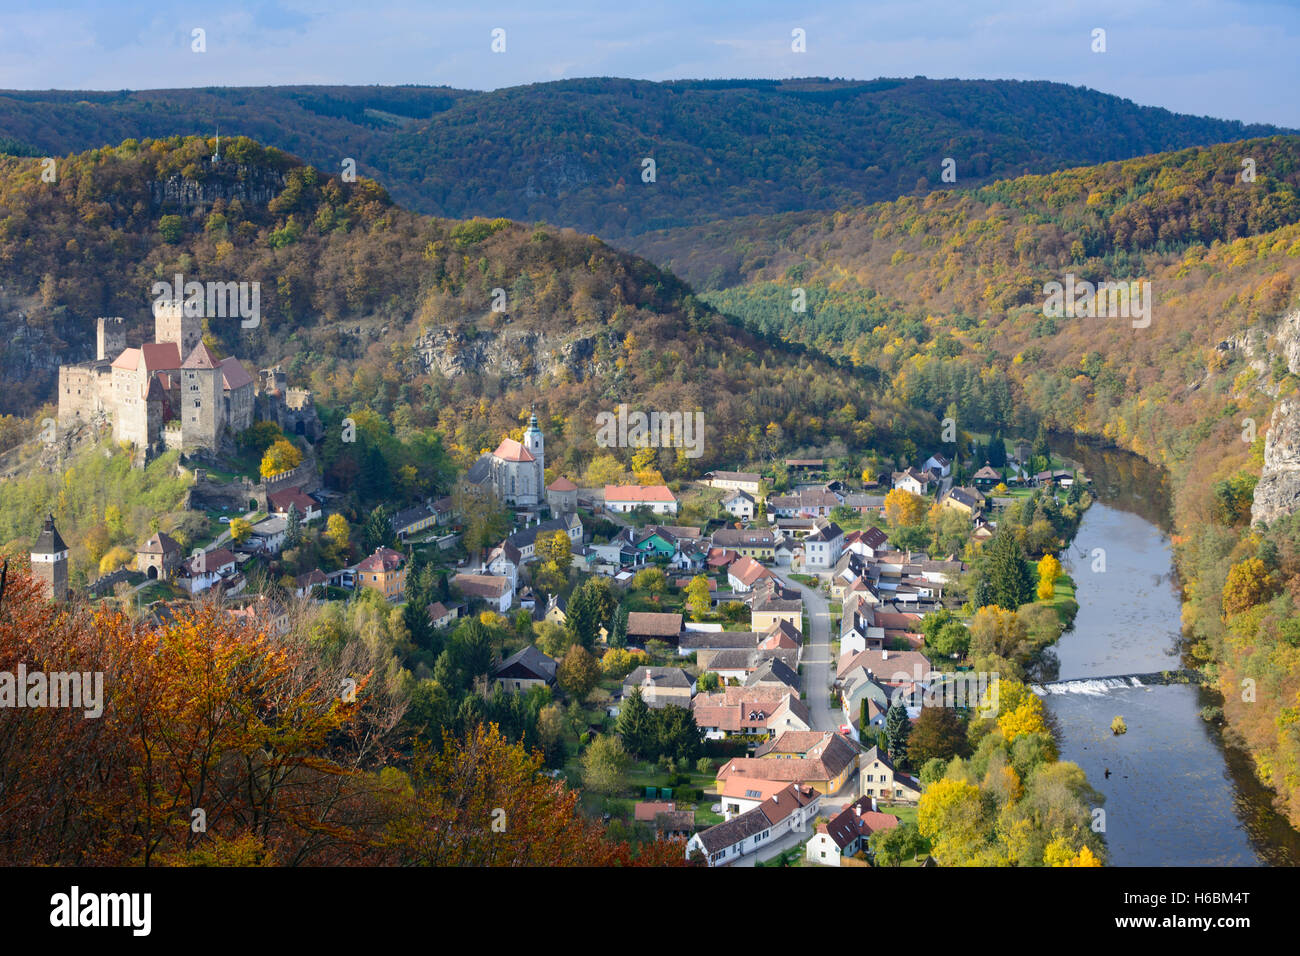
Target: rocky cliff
<point x="1278" y="491"/>
<point x="511" y="354"/>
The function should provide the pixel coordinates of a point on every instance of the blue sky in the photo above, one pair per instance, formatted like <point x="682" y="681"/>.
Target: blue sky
<point x="1235" y="59"/>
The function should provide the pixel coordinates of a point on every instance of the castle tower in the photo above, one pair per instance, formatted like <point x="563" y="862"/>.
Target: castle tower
<point x="50" y="562"/>
<point x="202" y="409"/>
<point x="535" y="444"/>
<point x="110" y="337"/>
<point x="172" y="324"/>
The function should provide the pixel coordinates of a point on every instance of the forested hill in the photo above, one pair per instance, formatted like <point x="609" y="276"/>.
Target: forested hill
<point x="943" y="297"/>
<point x="571" y="152"/>
<point x="377" y="307"/>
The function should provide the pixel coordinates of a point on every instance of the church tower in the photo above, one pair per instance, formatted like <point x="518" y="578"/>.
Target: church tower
<point x="50" y="562"/>
<point x="535" y="444"/>
<point x="171" y="323"/>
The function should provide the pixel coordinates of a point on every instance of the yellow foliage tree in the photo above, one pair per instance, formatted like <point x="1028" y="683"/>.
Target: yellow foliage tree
<point x="115" y="558"/>
<point x="240" y="529"/>
<point x="1049" y="569"/>
<point x="951" y="816"/>
<point x="902" y="508"/>
<point x="282" y="456"/>
<point x="1247" y="585"/>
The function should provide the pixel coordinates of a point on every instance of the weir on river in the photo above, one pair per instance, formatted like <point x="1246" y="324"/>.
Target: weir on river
<point x="1175" y="793"/>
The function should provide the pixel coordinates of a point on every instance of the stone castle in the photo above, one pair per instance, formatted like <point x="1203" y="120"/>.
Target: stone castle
<point x="172" y="392"/>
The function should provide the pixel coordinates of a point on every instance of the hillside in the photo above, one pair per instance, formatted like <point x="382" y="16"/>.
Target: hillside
<point x="570" y="152"/>
<point x="943" y="298"/>
<point x="374" y="306"/>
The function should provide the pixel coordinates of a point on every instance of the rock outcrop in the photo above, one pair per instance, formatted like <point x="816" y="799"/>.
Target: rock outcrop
<point x="1278" y="491"/>
<point x="512" y="354"/>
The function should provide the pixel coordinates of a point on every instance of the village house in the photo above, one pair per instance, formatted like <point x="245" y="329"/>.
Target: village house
<point x="939" y="464"/>
<point x="385" y="572"/>
<point x="279" y="503"/>
<point x="823" y="547"/>
<point x="823" y="760"/>
<point x="495" y="590"/>
<point x="788" y="810"/>
<point x="204" y="570"/>
<point x="739" y="663"/>
<point x="740" y="505"/>
<point x="749" y="711"/>
<point x="774" y="672"/>
<point x="808" y="503"/>
<point x="441" y="616"/>
<point x="669" y="823"/>
<point x="734" y="481"/>
<point x="524" y="541"/>
<point x="263" y="614"/>
<point x="269" y="534"/>
<point x="756" y="543"/>
<point x="660" y="686"/>
<point x="524" y="670"/>
<point x="847" y="833"/>
<point x="968" y="501"/>
<point x="645" y="626"/>
<point x="626" y="498"/>
<point x="310" y="584"/>
<point x="916" y="482"/>
<point x="987" y="475"/>
<point x="868" y="542"/>
<point x="744" y="573"/>
<point x="773" y="603"/>
<point x="878" y="778"/>
<point x="413" y="520"/>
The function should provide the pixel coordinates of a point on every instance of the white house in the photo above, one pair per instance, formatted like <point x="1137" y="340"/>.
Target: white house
<point x="823" y="547"/>
<point x="625" y="498"/>
<point x="938" y="464"/>
<point x="848" y="832"/>
<point x="789" y="810"/>
<point x="738" y="504"/>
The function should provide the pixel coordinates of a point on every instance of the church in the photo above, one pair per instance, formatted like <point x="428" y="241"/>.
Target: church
<point x="515" y="470"/>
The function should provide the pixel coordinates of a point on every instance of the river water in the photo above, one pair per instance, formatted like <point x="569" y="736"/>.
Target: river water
<point x="1177" y="794"/>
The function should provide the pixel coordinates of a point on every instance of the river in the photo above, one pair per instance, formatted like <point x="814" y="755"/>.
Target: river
<point x="1178" y="794"/>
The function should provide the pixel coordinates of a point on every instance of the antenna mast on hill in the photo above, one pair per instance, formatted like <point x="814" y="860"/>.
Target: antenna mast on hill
<point x="216" y="156"/>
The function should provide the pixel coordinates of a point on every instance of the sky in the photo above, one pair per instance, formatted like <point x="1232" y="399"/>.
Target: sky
<point x="1233" y="59"/>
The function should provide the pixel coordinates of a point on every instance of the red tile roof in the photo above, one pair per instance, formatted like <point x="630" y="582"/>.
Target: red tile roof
<point x="511" y="450"/>
<point x="161" y="356"/>
<point x="201" y="357"/>
<point x="234" y="374"/>
<point x="384" y="559"/>
<point x="646" y="493"/>
<point x="561" y="484"/>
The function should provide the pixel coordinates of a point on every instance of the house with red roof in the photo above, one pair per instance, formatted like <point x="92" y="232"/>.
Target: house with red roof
<point x="625" y="498"/>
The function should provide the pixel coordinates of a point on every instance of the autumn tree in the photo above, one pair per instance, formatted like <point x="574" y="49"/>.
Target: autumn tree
<point x="1049" y="569"/>
<point x="697" y="597"/>
<point x="936" y="733"/>
<point x="605" y="764"/>
<point x="579" y="672"/>
<point x="240" y="529"/>
<point x="282" y="456"/>
<point x="903" y="508"/>
<point x="1248" y="584"/>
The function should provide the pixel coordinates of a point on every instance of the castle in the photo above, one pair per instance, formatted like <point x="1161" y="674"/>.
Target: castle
<point x="515" y="470"/>
<point x="172" y="392"/>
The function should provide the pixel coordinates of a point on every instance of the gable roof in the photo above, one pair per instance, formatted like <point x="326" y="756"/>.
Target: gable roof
<point x="160" y="356"/>
<point x="511" y="450"/>
<point x="654" y="624"/>
<point x="643" y="493"/>
<point x="561" y="484"/>
<point x="281" y="500"/>
<point x="528" y="663"/>
<point x="482" y="585"/>
<point x="658" y="677"/>
<point x="884" y="664"/>
<point x="856" y="821"/>
<point x="774" y="670"/>
<point x="233" y="374"/>
<point x="747" y="571"/>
